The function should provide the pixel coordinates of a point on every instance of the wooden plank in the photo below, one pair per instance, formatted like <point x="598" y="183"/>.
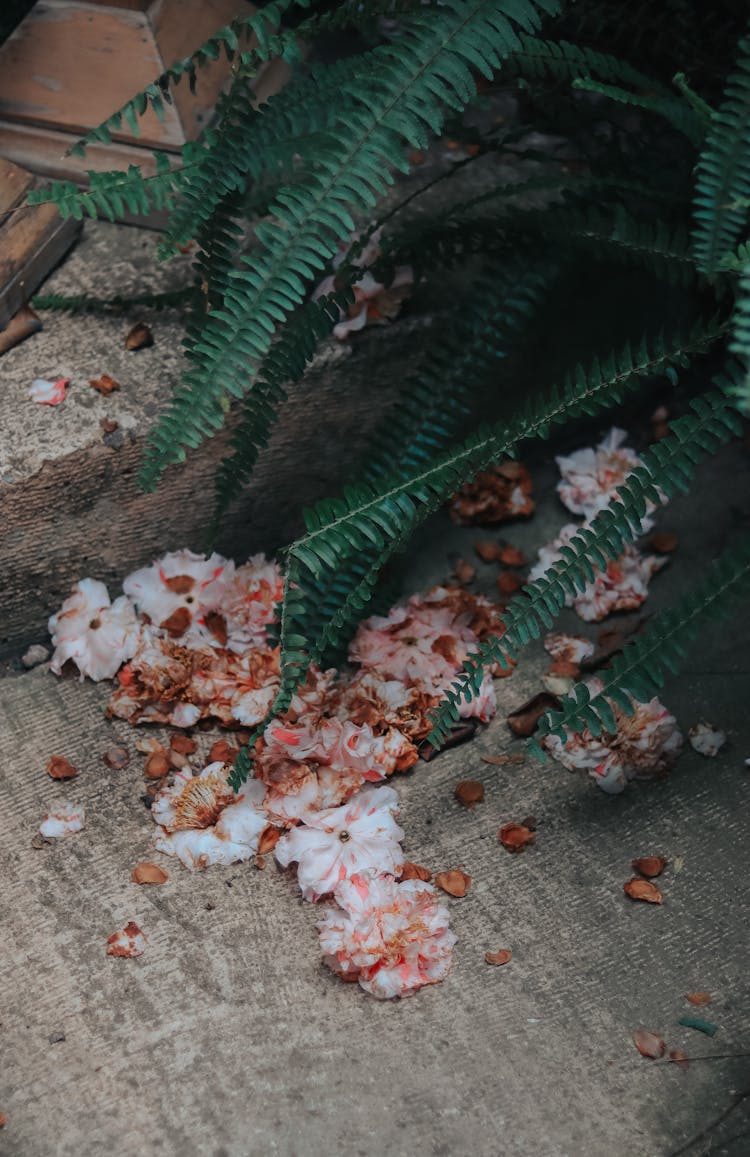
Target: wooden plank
<point x="69" y="65"/>
<point x="14" y="184"/>
<point x="32" y="242"/>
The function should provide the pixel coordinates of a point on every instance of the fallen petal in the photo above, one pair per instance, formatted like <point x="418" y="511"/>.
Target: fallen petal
<point x="48" y="393"/>
<point x="104" y="385"/>
<point x="129" y="941"/>
<point x="65" y="820"/>
<point x="415" y="872"/>
<point x="706" y="739"/>
<point x="182" y="743"/>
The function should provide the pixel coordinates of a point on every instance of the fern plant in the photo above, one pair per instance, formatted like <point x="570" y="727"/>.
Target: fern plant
<point x="659" y="201"/>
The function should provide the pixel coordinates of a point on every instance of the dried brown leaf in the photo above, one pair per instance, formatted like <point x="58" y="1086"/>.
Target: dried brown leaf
<point x="699" y="998"/>
<point x="664" y="543"/>
<point x="58" y="767"/>
<point x="650" y="866"/>
<point x="502" y="956"/>
<point x="182" y="743"/>
<point x="412" y="871"/>
<point x="222" y="752"/>
<point x="147" y="873"/>
<point x="116" y="757"/>
<point x="649" y="1044"/>
<point x="487" y="550"/>
<point x="139" y="337"/>
<point x="104" y="385"/>
<point x="469" y="792"/>
<point x="638" y="889"/>
<point x="454" y="882"/>
<point x="523" y="721"/>
<point x="508" y="582"/>
<point x="515" y="837"/>
<point x="512" y="556"/>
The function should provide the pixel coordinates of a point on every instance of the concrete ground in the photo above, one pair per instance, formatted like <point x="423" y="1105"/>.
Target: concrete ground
<point x="228" y="1037"/>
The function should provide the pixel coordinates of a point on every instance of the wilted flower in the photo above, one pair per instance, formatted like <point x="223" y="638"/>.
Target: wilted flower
<point x="202" y="821"/>
<point x="64" y="820"/>
<point x="393" y="938"/>
<point x="645" y="745"/>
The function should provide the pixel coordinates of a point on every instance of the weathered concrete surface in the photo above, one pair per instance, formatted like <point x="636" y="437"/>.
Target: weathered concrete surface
<point x="228" y="1038"/>
<point x="68" y="492"/>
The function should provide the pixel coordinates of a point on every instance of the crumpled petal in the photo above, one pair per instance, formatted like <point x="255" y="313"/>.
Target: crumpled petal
<point x="48" y="393"/>
<point x="65" y="819"/>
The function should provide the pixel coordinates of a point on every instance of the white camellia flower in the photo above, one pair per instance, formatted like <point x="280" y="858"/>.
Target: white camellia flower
<point x="392" y="938"/>
<point x="591" y="478"/>
<point x="202" y="821"/>
<point x="98" y="636"/>
<point x="177" y="591"/>
<point x="338" y="843"/>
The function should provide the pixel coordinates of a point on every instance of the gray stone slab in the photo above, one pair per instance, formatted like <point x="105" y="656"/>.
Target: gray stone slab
<point x="228" y="1037"/>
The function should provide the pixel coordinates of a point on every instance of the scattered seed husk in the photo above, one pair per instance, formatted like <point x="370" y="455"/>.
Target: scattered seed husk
<point x="139" y="337"/>
<point x="515" y="837"/>
<point x="58" y="767"/>
<point x="649" y="866"/>
<point x="639" y="889"/>
<point x="649" y="1044"/>
<point x="104" y="385"/>
<point x="116" y="757"/>
<point x="469" y="792"/>
<point x="454" y="882"/>
<point x="182" y="743"/>
<point x="157" y="765"/>
<point x="412" y="871"/>
<point x="523" y="721"/>
<point x="699" y="998"/>
<point x="147" y="873"/>
<point x="502" y="956"/>
<point x="679" y="1058"/>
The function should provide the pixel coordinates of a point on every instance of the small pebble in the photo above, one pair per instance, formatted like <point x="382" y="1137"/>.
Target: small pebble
<point x="35" y="655"/>
<point x="55" y="1037"/>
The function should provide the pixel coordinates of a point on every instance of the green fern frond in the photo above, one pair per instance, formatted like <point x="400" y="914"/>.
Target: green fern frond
<point x="677" y="112"/>
<point x="723" y="173"/>
<point x="559" y="60"/>
<point x="86" y="303"/>
<point x="431" y="69"/>
<point x="115" y="192"/>
<point x="740" y="343"/>
<point x="668" y="467"/>
<point x="642" y="666"/>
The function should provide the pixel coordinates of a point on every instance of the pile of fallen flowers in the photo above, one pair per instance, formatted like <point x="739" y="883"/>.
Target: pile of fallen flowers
<point x="187" y="642"/>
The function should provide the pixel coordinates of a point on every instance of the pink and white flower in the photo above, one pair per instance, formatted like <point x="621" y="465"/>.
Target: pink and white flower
<point x="338" y="843"/>
<point x="393" y="938"/>
<point x="591" y="478"/>
<point x="202" y="821"/>
<point x="65" y="819"/>
<point x="621" y="586"/>
<point x="374" y="302"/>
<point x="98" y="636"/>
<point x="644" y="745"/>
